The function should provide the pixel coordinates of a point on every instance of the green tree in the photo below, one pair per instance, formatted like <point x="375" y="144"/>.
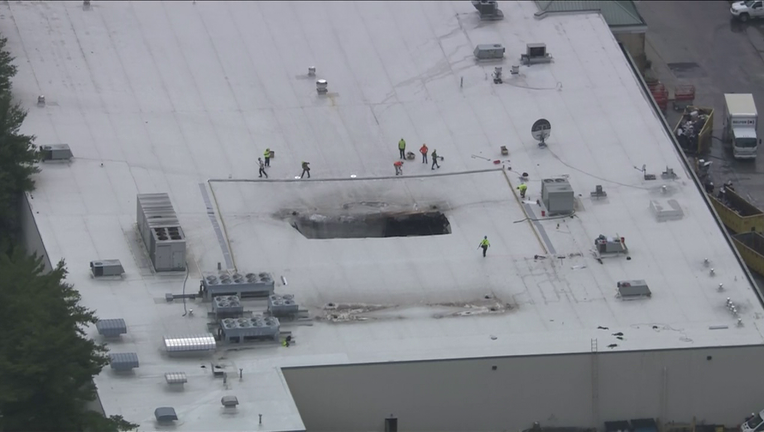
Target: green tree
<point x="7" y="68"/>
<point x="46" y="360"/>
<point x="17" y="163"/>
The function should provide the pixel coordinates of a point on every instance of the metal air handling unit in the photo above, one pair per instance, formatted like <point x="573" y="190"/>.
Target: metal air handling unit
<point x="161" y="233"/>
<point x="557" y="195"/>
<point x="55" y="152"/>
<point x="230" y="283"/>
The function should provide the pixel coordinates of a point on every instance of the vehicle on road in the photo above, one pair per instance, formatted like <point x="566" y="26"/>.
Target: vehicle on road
<point x="753" y="423"/>
<point x="740" y="120"/>
<point x="745" y="10"/>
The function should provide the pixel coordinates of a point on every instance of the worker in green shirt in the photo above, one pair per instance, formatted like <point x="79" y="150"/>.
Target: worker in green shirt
<point x="402" y="148"/>
<point x="522" y="188"/>
<point x="484" y="244"/>
<point x="267" y="156"/>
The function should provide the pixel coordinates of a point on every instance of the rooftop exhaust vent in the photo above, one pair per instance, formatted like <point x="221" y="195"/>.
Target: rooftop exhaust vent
<point x="322" y="86"/>
<point x="111" y="327"/>
<point x="55" y="152"/>
<point x="165" y="414"/>
<point x="535" y="53"/>
<point x="175" y="378"/>
<point x="229" y="401"/>
<point x="123" y="361"/>
<point x="667" y="210"/>
<point x="488" y="10"/>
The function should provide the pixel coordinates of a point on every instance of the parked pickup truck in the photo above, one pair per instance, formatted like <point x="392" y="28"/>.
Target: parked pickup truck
<point x="736" y="213"/>
<point x="745" y="10"/>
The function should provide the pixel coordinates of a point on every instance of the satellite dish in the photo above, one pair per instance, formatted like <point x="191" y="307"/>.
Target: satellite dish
<point x="541" y="130"/>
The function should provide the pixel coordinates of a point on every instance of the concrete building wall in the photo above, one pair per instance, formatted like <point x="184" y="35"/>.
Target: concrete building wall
<point x="635" y="44"/>
<point x="460" y="395"/>
<point x="31" y="238"/>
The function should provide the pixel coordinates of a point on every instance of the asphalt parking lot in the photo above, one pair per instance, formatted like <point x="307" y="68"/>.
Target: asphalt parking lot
<point x="699" y="43"/>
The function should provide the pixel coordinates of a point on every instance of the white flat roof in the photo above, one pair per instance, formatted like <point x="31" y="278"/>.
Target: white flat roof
<point x="161" y="97"/>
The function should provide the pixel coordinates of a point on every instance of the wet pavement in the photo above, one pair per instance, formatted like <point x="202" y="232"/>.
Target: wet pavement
<point x="698" y="43"/>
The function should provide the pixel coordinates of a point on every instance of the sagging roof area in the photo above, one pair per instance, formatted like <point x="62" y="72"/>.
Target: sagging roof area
<point x="183" y="97"/>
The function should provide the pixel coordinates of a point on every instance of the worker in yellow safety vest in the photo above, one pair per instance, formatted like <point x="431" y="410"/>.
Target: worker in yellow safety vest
<point x="484" y="244"/>
<point x="402" y="148"/>
<point x="267" y="157"/>
<point x="522" y="188"/>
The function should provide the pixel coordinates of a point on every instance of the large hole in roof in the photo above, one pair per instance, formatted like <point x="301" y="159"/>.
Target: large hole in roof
<point x="372" y="225"/>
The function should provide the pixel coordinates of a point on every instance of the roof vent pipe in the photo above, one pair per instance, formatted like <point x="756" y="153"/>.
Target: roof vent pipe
<point x="321" y="86"/>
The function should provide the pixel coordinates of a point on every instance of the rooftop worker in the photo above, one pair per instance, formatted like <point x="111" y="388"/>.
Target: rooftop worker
<point x="522" y="188"/>
<point x="402" y="148"/>
<point x="424" y="151"/>
<point x="267" y="156"/>
<point x="262" y="168"/>
<point x="398" y="167"/>
<point x="434" y="159"/>
<point x="484" y="244"/>
<point x="305" y="169"/>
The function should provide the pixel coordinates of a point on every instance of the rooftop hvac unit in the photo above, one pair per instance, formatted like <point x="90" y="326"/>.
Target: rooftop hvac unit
<point x="489" y="52"/>
<point x="161" y="232"/>
<point x="243" y="329"/>
<point x="610" y="245"/>
<point x="535" y="53"/>
<point x="227" y="306"/>
<point x="110" y="267"/>
<point x="488" y="10"/>
<point x="633" y="289"/>
<point x="281" y="306"/>
<point x="243" y="285"/>
<point x="55" y="152"/>
<point x="558" y="196"/>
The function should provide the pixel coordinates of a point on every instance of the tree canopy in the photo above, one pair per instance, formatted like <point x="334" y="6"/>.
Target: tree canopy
<point x="7" y="68"/>
<point x="17" y="152"/>
<point x="46" y="360"/>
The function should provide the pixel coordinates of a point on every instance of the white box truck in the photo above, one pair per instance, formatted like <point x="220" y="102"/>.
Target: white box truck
<point x="740" y="120"/>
